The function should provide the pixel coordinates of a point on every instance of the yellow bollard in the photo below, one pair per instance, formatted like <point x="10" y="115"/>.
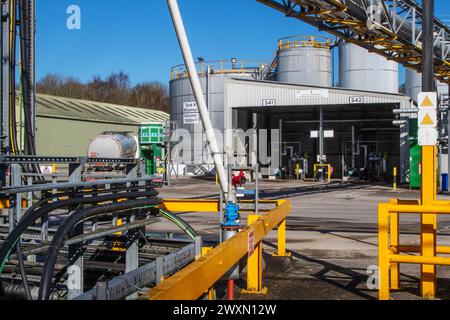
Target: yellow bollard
<point x="282" y="241"/>
<point x="297" y="171"/>
<point x="395" y="179"/>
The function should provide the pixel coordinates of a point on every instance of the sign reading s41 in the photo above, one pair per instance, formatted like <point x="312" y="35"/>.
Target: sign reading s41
<point x="428" y="135"/>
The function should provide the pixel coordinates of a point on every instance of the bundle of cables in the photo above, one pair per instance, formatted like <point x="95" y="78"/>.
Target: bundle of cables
<point x="132" y="198"/>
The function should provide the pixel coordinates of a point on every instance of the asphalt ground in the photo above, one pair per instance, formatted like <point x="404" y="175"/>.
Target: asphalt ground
<point x="331" y="234"/>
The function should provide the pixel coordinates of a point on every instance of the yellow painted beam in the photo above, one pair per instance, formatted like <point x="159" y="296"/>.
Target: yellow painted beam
<point x="416" y="249"/>
<point x="188" y="205"/>
<point x="444" y="261"/>
<point x="418" y="209"/>
<point x="201" y="205"/>
<point x="197" y="278"/>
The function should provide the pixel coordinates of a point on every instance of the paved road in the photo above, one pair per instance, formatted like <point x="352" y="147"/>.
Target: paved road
<point x="332" y="236"/>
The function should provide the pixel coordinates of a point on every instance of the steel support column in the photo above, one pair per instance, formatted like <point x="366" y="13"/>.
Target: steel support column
<point x="429" y="181"/>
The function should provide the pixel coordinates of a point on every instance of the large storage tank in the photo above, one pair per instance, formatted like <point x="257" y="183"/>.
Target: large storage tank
<point x="111" y="145"/>
<point x="362" y="70"/>
<point x="413" y="84"/>
<point x="184" y="114"/>
<point x="305" y="61"/>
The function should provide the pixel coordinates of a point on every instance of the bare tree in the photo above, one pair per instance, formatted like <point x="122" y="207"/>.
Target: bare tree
<point x="115" y="89"/>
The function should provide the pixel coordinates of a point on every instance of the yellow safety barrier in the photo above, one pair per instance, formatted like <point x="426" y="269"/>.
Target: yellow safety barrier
<point x="328" y="166"/>
<point x="390" y="250"/>
<point x="199" y="277"/>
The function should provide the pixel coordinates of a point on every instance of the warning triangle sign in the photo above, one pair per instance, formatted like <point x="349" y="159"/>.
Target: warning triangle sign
<point x="427" y="121"/>
<point x="427" y="102"/>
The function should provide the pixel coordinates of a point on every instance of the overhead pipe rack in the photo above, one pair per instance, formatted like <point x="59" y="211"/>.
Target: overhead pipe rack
<point x="391" y="28"/>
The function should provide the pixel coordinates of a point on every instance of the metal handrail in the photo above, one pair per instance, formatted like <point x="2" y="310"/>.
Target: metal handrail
<point x="219" y="67"/>
<point x="304" y="41"/>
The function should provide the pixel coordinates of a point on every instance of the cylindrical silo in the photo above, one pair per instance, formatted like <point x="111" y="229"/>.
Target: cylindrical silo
<point x="361" y="70"/>
<point x="413" y="84"/>
<point x="305" y="61"/>
<point x="183" y="109"/>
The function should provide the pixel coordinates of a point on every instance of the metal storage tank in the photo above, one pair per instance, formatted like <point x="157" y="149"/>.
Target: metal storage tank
<point x="362" y="70"/>
<point x="413" y="84"/>
<point x="213" y="86"/>
<point x="305" y="61"/>
<point x="113" y="145"/>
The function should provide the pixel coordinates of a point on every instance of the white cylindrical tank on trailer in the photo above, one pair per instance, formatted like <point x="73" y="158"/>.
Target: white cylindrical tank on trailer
<point x="361" y="70"/>
<point x="111" y="145"/>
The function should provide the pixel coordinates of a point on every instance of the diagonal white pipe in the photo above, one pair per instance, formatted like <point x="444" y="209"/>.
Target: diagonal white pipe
<point x="198" y="93"/>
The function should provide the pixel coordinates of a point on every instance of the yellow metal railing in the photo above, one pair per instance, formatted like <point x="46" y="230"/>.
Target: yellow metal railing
<point x="198" y="278"/>
<point x="219" y="67"/>
<point x="304" y="41"/>
<point x="390" y="250"/>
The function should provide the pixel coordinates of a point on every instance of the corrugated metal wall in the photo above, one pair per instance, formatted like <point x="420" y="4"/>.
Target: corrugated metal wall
<point x="61" y="137"/>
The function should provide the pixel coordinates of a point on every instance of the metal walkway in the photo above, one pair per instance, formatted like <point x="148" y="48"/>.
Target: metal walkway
<point x="391" y="28"/>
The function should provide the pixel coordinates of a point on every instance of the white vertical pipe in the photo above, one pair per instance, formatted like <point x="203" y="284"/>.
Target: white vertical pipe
<point x="198" y="93"/>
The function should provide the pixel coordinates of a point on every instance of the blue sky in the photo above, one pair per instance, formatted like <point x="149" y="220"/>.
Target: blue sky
<point x="137" y="36"/>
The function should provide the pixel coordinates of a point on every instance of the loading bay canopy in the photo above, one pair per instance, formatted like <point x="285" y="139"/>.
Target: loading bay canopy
<point x="244" y="93"/>
<point x="298" y="106"/>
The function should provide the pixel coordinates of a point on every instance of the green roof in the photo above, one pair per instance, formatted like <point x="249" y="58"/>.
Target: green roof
<point x="84" y="110"/>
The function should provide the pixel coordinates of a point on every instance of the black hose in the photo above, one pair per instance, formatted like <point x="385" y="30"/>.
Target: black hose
<point x="23" y="273"/>
<point x="67" y="227"/>
<point x="32" y="216"/>
<point x="82" y="193"/>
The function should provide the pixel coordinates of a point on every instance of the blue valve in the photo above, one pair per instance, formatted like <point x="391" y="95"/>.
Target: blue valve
<point x="231" y="215"/>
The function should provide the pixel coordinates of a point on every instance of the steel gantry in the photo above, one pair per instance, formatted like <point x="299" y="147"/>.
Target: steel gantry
<point x="391" y="28"/>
